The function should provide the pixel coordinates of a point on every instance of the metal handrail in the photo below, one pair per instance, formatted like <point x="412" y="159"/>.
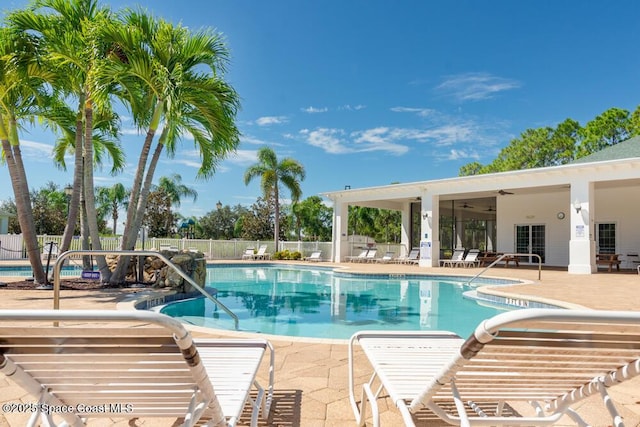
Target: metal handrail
<point x="501" y="257"/>
<point x="64" y="255"/>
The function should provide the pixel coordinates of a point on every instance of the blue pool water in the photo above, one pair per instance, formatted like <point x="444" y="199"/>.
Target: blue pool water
<point x="26" y="271"/>
<point x="318" y="303"/>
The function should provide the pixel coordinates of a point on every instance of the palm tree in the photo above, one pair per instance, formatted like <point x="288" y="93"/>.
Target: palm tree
<point x="21" y="95"/>
<point x="70" y="30"/>
<point x="110" y="200"/>
<point x="289" y="172"/>
<point x="168" y="75"/>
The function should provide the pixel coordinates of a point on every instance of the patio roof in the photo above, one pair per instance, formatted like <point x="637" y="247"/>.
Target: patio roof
<point x="622" y="150"/>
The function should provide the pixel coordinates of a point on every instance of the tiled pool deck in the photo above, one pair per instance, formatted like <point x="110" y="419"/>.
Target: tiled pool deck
<point x="311" y="375"/>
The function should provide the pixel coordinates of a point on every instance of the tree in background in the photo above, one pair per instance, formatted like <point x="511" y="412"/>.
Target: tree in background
<point x="158" y="216"/>
<point x="175" y="190"/>
<point x="258" y="222"/>
<point x="220" y="223"/>
<point x="549" y="146"/>
<point x="289" y="172"/>
<point x="388" y="224"/>
<point x="110" y="200"/>
<point x="314" y="219"/>
<point x="609" y="128"/>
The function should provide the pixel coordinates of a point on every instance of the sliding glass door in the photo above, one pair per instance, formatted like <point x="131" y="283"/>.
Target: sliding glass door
<point x="530" y="239"/>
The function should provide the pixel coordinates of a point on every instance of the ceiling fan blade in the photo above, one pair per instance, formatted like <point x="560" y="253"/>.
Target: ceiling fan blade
<point x="503" y="192"/>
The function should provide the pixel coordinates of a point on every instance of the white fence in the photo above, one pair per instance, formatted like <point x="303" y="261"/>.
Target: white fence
<point x="12" y="246"/>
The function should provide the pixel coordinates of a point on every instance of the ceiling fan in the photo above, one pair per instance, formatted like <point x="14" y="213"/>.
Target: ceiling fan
<point x="504" y="192"/>
<point x="465" y="205"/>
<point x="491" y="209"/>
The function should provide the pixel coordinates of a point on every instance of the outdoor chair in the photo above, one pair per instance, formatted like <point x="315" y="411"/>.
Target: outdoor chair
<point x="386" y="258"/>
<point x="547" y="358"/>
<point x="411" y="258"/>
<point x="315" y="256"/>
<point x="360" y="257"/>
<point x="262" y="253"/>
<point x="470" y="259"/>
<point x="371" y="255"/>
<point x="457" y="256"/>
<point x="248" y="253"/>
<point x="130" y="364"/>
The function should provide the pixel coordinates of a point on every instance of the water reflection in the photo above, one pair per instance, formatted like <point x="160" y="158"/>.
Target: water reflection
<point x="288" y="301"/>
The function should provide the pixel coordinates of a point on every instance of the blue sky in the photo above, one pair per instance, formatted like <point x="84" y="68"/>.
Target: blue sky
<point x="367" y="93"/>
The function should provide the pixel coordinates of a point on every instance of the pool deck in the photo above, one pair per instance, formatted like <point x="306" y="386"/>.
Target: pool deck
<point x="311" y="375"/>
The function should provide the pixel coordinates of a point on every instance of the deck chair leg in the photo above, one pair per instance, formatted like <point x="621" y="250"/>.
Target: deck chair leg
<point x="462" y="413"/>
<point x="197" y="405"/>
<point x="608" y="403"/>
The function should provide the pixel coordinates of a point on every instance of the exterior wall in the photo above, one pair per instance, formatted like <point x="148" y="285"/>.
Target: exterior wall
<point x="533" y="210"/>
<point x="621" y="206"/>
<point x="613" y="205"/>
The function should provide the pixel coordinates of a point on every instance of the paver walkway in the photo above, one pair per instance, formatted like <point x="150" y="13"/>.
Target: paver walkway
<point x="311" y="375"/>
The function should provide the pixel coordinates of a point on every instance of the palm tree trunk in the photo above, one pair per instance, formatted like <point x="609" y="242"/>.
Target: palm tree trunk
<point x="74" y="203"/>
<point x="138" y="197"/>
<point x="13" y="157"/>
<point x="90" y="200"/>
<point x="276" y="226"/>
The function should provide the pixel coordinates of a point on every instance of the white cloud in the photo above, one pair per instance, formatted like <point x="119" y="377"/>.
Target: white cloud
<point x="314" y="110"/>
<point x="462" y="154"/>
<point x="422" y="112"/>
<point x="475" y="86"/>
<point x="271" y="120"/>
<point x="328" y="139"/>
<point x="243" y="157"/>
<point x="38" y="151"/>
<point x="379" y="139"/>
<point x="251" y="140"/>
<point x="352" y="107"/>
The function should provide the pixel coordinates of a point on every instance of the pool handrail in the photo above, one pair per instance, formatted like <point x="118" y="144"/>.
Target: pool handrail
<point x="60" y="261"/>
<point x="501" y="257"/>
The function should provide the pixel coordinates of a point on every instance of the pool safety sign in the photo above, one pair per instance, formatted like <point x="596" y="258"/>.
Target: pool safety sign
<point x="425" y="249"/>
<point x="91" y="275"/>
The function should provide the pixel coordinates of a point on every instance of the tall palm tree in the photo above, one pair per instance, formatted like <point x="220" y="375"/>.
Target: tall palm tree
<point x="170" y="76"/>
<point x="22" y="93"/>
<point x="289" y="172"/>
<point x="70" y="29"/>
<point x="111" y="200"/>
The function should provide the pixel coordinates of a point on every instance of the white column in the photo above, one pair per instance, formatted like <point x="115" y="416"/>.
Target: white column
<point x="582" y="246"/>
<point x="405" y="237"/>
<point x="429" y="238"/>
<point x="340" y="236"/>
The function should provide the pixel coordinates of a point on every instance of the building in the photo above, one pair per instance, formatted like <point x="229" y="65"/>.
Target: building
<point x="565" y="214"/>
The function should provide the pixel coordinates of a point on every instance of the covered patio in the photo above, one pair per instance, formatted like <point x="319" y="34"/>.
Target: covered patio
<point x="568" y="215"/>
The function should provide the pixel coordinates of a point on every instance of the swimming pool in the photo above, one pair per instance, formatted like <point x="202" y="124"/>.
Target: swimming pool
<point x="27" y="271"/>
<point x="320" y="303"/>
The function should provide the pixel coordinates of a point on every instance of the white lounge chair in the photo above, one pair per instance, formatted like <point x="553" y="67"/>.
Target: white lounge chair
<point x="358" y="258"/>
<point x="248" y="253"/>
<point x="457" y="256"/>
<point x="315" y="256"/>
<point x="411" y="258"/>
<point x="550" y="358"/>
<point x="386" y="258"/>
<point x="150" y="366"/>
<point x="371" y="255"/>
<point x="470" y="259"/>
<point x="262" y="253"/>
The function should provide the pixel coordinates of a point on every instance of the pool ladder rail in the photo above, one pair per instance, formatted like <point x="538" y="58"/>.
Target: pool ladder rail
<point x="503" y="256"/>
<point x="60" y="261"/>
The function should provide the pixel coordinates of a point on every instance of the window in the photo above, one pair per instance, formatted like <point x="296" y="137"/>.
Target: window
<point x="606" y="238"/>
